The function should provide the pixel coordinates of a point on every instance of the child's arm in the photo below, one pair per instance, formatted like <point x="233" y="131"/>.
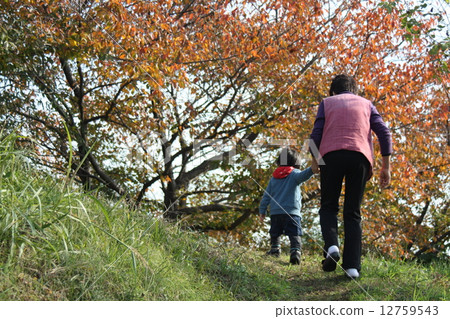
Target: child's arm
<point x="265" y="201"/>
<point x="304" y="175"/>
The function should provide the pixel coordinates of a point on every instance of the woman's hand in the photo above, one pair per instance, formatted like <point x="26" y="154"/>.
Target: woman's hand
<point x="314" y="166"/>
<point x="385" y="173"/>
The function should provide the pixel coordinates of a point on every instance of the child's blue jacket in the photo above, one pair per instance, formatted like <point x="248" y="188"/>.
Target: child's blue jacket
<point x="283" y="192"/>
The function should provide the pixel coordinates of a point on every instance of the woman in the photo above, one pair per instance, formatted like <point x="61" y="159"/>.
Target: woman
<point x="342" y="133"/>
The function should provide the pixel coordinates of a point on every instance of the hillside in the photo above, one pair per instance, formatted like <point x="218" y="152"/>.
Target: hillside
<point x="57" y="243"/>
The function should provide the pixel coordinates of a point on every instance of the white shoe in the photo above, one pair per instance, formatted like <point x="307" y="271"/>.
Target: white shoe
<point x="332" y="250"/>
<point x="351" y="273"/>
<point x="333" y="256"/>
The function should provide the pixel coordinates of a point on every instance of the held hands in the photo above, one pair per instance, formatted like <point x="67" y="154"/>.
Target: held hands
<point x="314" y="166"/>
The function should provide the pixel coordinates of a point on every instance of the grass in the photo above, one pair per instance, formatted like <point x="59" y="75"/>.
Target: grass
<point x="57" y="243"/>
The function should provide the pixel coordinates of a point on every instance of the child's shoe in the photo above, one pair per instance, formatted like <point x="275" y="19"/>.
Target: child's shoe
<point x="275" y="252"/>
<point x="295" y="257"/>
<point x="333" y="256"/>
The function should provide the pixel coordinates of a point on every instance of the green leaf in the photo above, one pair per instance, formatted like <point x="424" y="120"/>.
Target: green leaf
<point x="444" y="66"/>
<point x="408" y="37"/>
<point x="388" y="6"/>
<point x="435" y="49"/>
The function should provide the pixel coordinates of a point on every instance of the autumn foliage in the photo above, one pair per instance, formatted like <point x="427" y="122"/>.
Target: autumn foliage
<point x="179" y="105"/>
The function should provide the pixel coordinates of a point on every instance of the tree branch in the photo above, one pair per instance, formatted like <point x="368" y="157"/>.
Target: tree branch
<point x="213" y="162"/>
<point x="112" y="104"/>
<point x="444" y="237"/>
<point x="144" y="188"/>
<point x="69" y="76"/>
<point x="206" y="208"/>
<point x="107" y="180"/>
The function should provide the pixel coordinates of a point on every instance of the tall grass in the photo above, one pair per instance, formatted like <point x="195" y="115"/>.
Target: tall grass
<point x="57" y="242"/>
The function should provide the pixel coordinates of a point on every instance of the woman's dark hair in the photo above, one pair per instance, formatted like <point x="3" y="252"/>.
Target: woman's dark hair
<point x="343" y="82"/>
<point x="288" y="157"/>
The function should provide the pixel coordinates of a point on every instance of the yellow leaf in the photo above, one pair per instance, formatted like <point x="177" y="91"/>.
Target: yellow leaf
<point x="164" y="26"/>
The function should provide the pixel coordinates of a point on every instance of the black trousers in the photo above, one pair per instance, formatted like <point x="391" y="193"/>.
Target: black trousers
<point x="355" y="168"/>
<point x="286" y="224"/>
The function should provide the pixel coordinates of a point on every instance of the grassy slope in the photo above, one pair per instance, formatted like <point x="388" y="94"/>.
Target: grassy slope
<point x="59" y="244"/>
